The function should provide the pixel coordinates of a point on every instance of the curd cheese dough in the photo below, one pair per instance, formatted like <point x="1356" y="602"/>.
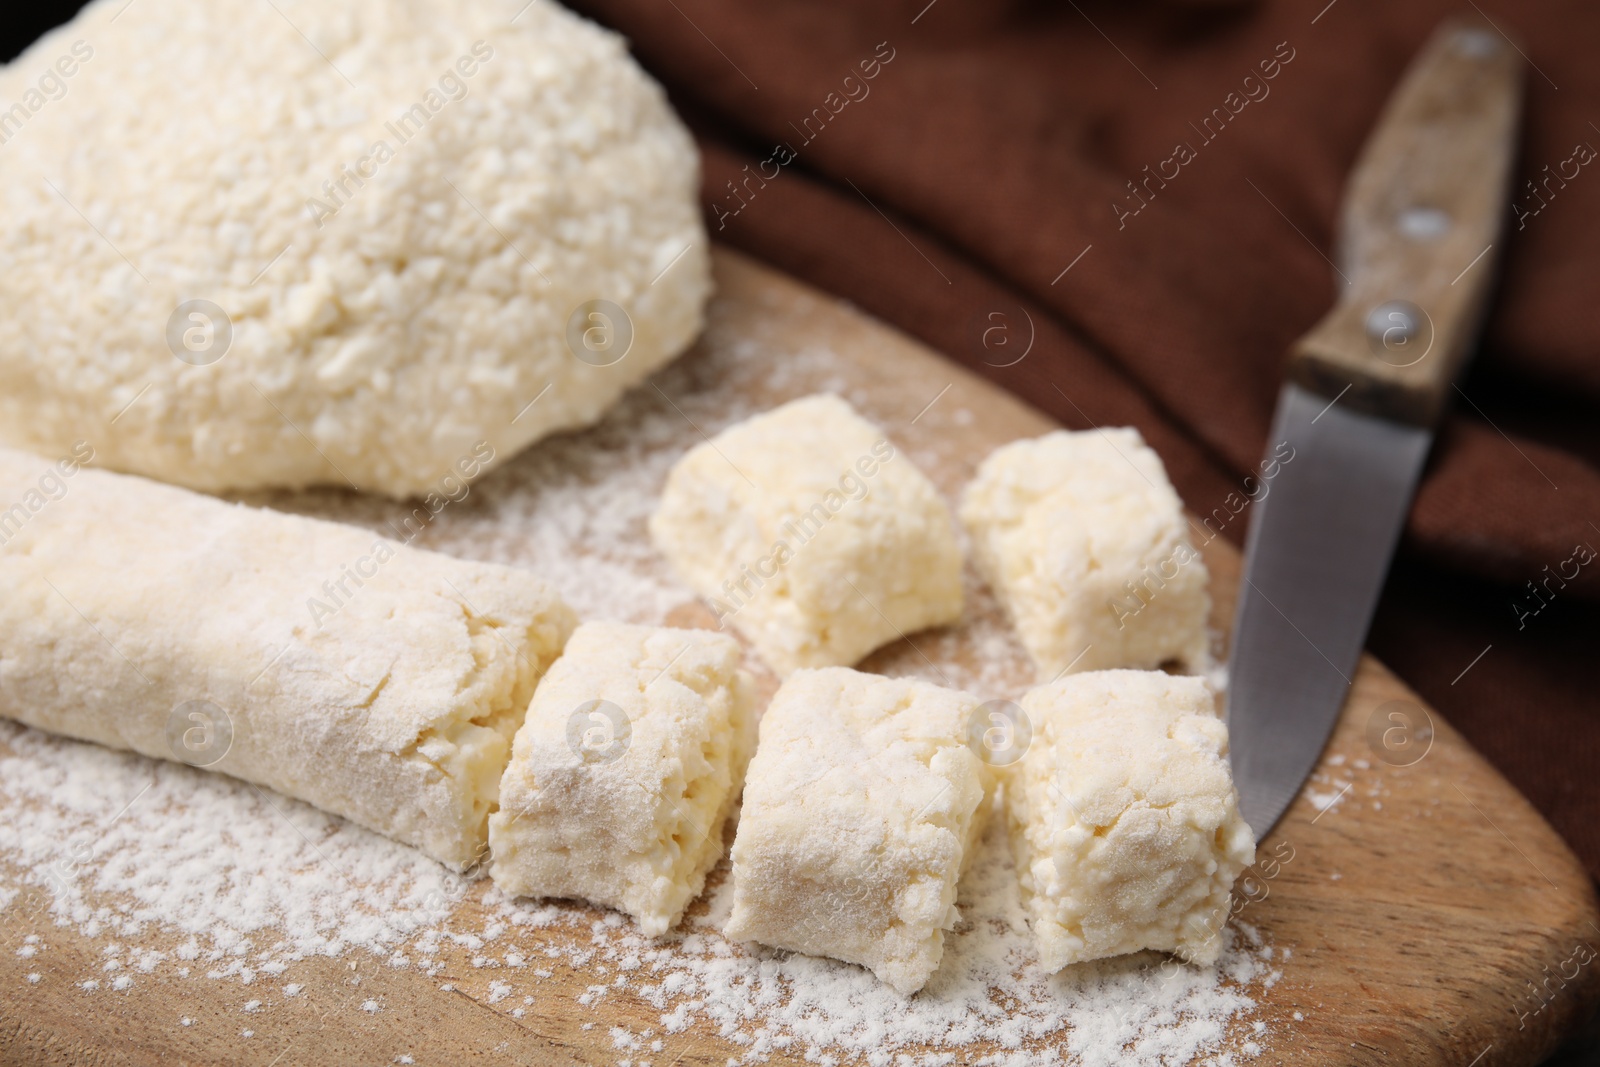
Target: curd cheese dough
<point x="864" y="804"/>
<point x="625" y="770"/>
<point x="1083" y="540"/>
<point x="1124" y="821"/>
<point x="253" y="244"/>
<point x="812" y="534"/>
<point x="376" y="681"/>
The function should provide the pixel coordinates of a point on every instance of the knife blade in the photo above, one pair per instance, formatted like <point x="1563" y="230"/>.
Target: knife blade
<point x="1419" y="223"/>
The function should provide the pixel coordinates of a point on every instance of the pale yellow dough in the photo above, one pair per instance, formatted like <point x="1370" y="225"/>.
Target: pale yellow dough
<point x="812" y="534"/>
<point x="623" y="803"/>
<point x="863" y="806"/>
<point x="1124" y="820"/>
<point x="396" y="213"/>
<point x="1083" y="539"/>
<point x="392" y="704"/>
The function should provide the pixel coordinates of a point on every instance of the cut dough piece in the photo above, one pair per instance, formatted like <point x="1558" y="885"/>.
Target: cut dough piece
<point x="807" y="530"/>
<point x="300" y="280"/>
<point x="863" y="806"/>
<point x="1124" y="820"/>
<point x="375" y="681"/>
<point x="628" y="764"/>
<point x="1083" y="540"/>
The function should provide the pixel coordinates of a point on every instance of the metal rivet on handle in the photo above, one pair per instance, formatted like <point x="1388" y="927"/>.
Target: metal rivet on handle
<point x="1423" y="223"/>
<point x="1479" y="44"/>
<point x="1400" y="332"/>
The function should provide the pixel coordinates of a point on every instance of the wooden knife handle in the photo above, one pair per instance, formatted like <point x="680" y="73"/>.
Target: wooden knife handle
<point x="1420" y="231"/>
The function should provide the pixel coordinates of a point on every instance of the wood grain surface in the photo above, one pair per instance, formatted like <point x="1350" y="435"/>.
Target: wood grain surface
<point x="1422" y="912"/>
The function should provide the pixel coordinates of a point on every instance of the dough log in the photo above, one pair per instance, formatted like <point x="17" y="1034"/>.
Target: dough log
<point x="378" y="682"/>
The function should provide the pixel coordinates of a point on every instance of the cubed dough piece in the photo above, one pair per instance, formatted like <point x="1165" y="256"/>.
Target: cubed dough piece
<point x="812" y="534"/>
<point x="863" y="805"/>
<point x="1083" y="540"/>
<point x="1124" y="820"/>
<point x="625" y="770"/>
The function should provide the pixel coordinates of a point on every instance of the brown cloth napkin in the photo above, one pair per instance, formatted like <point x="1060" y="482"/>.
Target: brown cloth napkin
<point x="1148" y="191"/>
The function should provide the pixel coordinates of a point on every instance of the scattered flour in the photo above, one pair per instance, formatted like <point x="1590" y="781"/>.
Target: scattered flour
<point x="181" y="871"/>
<point x="988" y="994"/>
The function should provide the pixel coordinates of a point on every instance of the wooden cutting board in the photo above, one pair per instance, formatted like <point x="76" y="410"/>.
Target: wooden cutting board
<point x="1414" y="899"/>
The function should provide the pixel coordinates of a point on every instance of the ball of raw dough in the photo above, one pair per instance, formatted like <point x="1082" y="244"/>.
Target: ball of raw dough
<point x="278" y="244"/>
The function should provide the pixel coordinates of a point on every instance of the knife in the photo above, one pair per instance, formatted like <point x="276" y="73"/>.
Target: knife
<point x="1418" y="235"/>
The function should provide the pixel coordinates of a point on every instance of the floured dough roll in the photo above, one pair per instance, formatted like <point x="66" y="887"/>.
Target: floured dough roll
<point x="375" y="681"/>
<point x="627" y="766"/>
<point x="255" y="244"/>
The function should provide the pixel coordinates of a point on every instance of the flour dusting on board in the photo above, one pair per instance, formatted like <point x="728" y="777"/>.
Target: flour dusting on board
<point x="177" y="874"/>
<point x="244" y="884"/>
